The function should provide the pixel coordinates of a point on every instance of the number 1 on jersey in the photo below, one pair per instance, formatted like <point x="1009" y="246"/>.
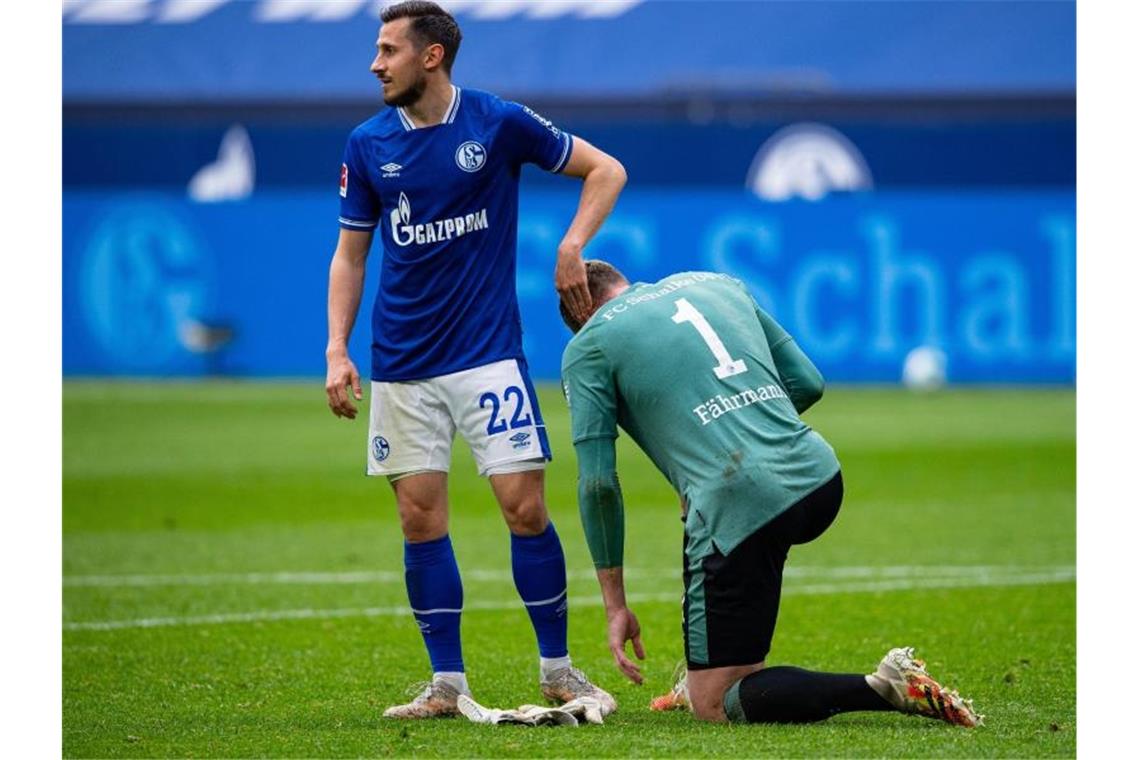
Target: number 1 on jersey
<point x="728" y="366"/>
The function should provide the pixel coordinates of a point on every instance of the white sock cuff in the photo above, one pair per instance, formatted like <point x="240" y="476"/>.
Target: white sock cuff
<point x="547" y="665"/>
<point x="457" y="681"/>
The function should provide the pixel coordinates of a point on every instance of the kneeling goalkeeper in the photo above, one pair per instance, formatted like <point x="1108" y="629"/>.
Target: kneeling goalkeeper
<point x="711" y="388"/>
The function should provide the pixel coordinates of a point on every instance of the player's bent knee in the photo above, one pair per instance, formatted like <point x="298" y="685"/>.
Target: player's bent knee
<point x="518" y="488"/>
<point x="418" y="534"/>
<point x="421" y="521"/>
<point x="423" y="529"/>
<point x="711" y="711"/>
<point x="527" y="517"/>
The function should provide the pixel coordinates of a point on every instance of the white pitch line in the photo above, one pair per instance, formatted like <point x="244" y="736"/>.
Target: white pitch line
<point x="365" y="577"/>
<point x="1025" y="579"/>
<point x="235" y="579"/>
<point x="1056" y="575"/>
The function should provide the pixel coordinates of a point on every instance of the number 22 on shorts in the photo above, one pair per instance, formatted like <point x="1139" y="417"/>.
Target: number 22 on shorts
<point x="518" y="419"/>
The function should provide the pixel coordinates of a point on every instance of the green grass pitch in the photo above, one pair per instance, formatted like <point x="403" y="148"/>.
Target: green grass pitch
<point x="233" y="583"/>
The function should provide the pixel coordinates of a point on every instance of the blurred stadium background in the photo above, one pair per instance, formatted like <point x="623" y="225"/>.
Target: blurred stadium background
<point x="884" y="175"/>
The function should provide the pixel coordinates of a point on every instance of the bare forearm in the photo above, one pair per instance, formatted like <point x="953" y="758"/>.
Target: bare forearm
<point x="602" y="179"/>
<point x="346" y="285"/>
<point x="600" y="190"/>
<point x="613" y="588"/>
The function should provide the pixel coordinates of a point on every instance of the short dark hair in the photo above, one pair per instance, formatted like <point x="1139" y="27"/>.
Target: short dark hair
<point x="601" y="278"/>
<point x="431" y="25"/>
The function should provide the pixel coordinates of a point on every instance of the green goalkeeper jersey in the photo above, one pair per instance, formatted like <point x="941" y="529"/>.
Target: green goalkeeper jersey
<point x="710" y="387"/>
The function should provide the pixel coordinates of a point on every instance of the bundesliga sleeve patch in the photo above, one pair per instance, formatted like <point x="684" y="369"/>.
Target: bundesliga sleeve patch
<point x="344" y="180"/>
<point x="543" y="121"/>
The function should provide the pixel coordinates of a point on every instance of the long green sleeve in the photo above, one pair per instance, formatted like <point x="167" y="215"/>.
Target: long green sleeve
<point x="588" y="383"/>
<point x="800" y="378"/>
<point x="600" y="502"/>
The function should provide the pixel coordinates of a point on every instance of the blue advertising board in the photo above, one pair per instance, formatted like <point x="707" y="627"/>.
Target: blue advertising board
<point x="157" y="285"/>
<point x="902" y="152"/>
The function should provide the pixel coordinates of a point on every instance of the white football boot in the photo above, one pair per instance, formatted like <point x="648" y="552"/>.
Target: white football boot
<point x="437" y="699"/>
<point x="567" y="684"/>
<point x="903" y="681"/>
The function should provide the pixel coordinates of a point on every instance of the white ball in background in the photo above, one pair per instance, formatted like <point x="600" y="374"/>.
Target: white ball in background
<point x="924" y="369"/>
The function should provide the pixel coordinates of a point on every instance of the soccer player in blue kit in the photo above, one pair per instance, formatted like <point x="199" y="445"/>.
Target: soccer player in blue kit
<point x="436" y="173"/>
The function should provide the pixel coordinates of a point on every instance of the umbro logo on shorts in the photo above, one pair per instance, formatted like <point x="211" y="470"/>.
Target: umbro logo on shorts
<point x="521" y="440"/>
<point x="390" y="170"/>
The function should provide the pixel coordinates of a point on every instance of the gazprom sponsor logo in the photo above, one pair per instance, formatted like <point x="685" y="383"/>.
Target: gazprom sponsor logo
<point x="404" y="232"/>
<point x="807" y="161"/>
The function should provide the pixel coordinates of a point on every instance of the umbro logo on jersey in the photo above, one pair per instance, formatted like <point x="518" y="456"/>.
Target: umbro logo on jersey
<point x="390" y="170"/>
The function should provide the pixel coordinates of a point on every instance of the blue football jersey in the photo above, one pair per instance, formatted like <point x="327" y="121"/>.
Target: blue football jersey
<point x="445" y="200"/>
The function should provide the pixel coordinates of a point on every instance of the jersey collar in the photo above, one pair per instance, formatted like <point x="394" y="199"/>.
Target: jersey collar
<point x="448" y="115"/>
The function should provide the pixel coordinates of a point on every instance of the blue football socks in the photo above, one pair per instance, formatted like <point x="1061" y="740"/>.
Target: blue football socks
<point x="436" y="597"/>
<point x="540" y="576"/>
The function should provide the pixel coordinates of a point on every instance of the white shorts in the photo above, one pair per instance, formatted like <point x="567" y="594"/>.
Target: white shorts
<point x="494" y="407"/>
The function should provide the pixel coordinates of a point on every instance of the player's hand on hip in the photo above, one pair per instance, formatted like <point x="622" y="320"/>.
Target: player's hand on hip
<point x="623" y="627"/>
<point x="341" y="376"/>
<point x="570" y="282"/>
